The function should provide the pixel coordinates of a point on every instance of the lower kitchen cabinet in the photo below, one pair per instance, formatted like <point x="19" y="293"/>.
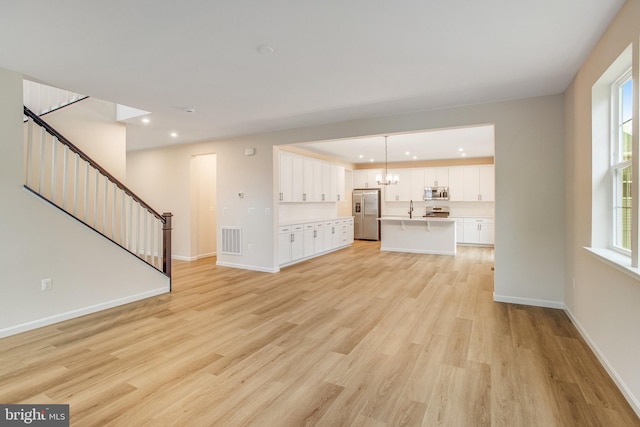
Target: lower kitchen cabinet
<point x="476" y="231"/>
<point x="290" y="240"/>
<point x="302" y="241"/>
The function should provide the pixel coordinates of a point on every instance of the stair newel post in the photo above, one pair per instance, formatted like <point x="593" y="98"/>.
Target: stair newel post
<point x="166" y="243"/>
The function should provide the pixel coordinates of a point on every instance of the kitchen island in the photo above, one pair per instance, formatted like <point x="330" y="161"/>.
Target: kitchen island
<point x="425" y="235"/>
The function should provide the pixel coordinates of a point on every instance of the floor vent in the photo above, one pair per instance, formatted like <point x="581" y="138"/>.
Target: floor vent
<point x="232" y="240"/>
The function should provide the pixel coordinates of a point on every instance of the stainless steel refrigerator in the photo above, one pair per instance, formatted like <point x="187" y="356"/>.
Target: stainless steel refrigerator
<point x="366" y="211"/>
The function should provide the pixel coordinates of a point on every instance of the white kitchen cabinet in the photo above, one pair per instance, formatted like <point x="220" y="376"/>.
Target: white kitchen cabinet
<point x="459" y="230"/>
<point x="309" y="239"/>
<point x="317" y="181"/>
<point x="340" y="195"/>
<point x="400" y="192"/>
<point x="329" y="231"/>
<point x="479" y="231"/>
<point x="297" y="178"/>
<point x="417" y="184"/>
<point x="318" y="242"/>
<point x="366" y="178"/>
<point x="286" y="178"/>
<point x="290" y="239"/>
<point x="436" y="177"/>
<point x="456" y="184"/>
<point x="309" y="247"/>
<point x="284" y="245"/>
<point x="478" y="183"/>
<point x="337" y="234"/>
<point x="486" y="175"/>
<point x="308" y="183"/>
<point x="326" y="181"/>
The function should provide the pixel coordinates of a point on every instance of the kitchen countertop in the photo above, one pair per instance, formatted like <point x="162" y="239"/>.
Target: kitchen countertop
<point x="416" y="219"/>
<point x="308" y="221"/>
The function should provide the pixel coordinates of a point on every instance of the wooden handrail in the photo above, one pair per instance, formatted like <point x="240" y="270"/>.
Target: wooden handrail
<point x="93" y="164"/>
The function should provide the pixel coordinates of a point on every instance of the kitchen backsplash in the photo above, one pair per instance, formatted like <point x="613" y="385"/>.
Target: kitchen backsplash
<point x="457" y="209"/>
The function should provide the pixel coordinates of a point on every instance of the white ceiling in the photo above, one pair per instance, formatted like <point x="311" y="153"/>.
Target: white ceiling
<point x="464" y="142"/>
<point x="332" y="60"/>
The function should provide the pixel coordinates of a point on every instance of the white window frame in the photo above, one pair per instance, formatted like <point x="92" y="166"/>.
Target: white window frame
<point x="603" y="132"/>
<point x="618" y="164"/>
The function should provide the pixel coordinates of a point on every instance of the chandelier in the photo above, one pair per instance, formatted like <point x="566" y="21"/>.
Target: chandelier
<point x="389" y="179"/>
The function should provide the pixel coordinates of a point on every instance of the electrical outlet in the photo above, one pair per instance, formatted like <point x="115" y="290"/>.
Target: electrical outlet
<point x="46" y="285"/>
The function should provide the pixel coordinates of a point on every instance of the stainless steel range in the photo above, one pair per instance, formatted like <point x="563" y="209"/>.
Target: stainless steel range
<point x="437" y="211"/>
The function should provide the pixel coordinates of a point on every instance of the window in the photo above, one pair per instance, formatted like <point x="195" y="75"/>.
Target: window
<point x="621" y="162"/>
<point x="615" y="219"/>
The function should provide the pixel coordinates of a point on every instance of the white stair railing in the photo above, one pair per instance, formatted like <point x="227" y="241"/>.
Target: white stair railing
<point x="42" y="99"/>
<point x="62" y="174"/>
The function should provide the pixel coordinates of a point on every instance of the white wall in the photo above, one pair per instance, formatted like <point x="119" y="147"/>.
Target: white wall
<point x="529" y="206"/>
<point x="203" y="206"/>
<point x="162" y="177"/>
<point x="604" y="302"/>
<point x="38" y="241"/>
<point x="91" y="126"/>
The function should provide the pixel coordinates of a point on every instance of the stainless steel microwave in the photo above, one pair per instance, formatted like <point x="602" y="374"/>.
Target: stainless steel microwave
<point x="436" y="193"/>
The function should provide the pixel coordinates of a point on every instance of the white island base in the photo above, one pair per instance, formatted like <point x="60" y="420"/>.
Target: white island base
<point x="418" y="235"/>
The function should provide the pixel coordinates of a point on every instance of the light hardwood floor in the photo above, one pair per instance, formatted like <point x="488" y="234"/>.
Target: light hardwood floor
<point x="354" y="338"/>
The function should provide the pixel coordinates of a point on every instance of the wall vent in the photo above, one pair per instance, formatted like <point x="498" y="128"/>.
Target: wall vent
<point x="232" y="240"/>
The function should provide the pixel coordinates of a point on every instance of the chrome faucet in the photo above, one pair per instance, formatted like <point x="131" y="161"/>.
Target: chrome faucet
<point x="410" y="209"/>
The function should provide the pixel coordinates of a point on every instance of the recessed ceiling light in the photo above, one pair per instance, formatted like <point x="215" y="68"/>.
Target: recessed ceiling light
<point x="460" y="149"/>
<point x="464" y="154"/>
<point x="415" y="157"/>
<point x="265" y="49"/>
<point x="174" y="134"/>
<point x="146" y="120"/>
<point x="406" y="153"/>
<point x="371" y="160"/>
<point x="189" y="110"/>
<point x="360" y="156"/>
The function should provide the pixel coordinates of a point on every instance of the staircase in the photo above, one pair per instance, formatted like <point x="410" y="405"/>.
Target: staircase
<point x="60" y="173"/>
<point x="43" y="99"/>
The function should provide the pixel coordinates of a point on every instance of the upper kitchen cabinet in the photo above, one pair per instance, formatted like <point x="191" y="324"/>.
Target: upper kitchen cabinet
<point x="286" y="178"/>
<point x="472" y="183"/>
<point x="417" y="184"/>
<point x="340" y="192"/>
<point x="305" y="179"/>
<point x="400" y="192"/>
<point x="366" y="178"/>
<point x="436" y="177"/>
<point x="479" y="183"/>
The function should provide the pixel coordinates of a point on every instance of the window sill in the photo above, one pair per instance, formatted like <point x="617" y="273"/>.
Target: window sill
<point x="616" y="260"/>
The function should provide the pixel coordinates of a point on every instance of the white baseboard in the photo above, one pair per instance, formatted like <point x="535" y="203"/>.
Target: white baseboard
<point x="193" y="258"/>
<point x="417" y="251"/>
<point x="633" y="401"/>
<point x="247" y="267"/>
<point x="528" y="301"/>
<point x="46" y="321"/>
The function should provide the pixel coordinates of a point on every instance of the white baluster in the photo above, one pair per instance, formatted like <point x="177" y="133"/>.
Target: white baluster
<point x="65" y="152"/>
<point x="95" y="199"/>
<point x="27" y="179"/>
<point x="129" y="237"/>
<point x="113" y="211"/>
<point x="86" y="189"/>
<point x="153" y="238"/>
<point x="42" y="144"/>
<point x="123" y="213"/>
<point x="104" y="205"/>
<point x="53" y="169"/>
<point x="144" y="247"/>
<point x="75" y="185"/>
